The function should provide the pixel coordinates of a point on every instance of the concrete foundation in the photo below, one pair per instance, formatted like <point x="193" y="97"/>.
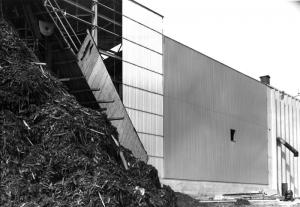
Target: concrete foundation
<point x="212" y="189"/>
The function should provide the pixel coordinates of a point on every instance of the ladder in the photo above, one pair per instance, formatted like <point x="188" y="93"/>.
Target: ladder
<point x="94" y="72"/>
<point x="97" y="76"/>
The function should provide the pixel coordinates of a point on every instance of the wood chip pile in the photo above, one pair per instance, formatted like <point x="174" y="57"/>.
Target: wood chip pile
<point x="53" y="151"/>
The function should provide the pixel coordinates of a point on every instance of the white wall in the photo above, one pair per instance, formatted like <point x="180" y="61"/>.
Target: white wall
<point x="285" y="123"/>
<point x="204" y="100"/>
<point x="143" y="77"/>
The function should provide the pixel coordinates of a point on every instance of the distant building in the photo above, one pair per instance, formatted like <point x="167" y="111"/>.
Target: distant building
<point x="206" y="127"/>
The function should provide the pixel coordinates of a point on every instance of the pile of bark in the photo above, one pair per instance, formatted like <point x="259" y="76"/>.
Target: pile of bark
<point x="53" y="151"/>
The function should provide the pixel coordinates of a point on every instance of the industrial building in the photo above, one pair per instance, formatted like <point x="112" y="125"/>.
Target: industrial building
<point x="223" y="130"/>
<point x="207" y="128"/>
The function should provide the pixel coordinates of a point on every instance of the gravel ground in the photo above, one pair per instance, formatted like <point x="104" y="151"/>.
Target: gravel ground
<point x="184" y="200"/>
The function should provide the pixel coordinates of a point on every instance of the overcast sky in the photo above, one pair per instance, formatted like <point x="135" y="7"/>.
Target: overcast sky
<point x="256" y="37"/>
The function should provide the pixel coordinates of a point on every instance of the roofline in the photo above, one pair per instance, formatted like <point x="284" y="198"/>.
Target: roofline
<point x="215" y="60"/>
<point x="141" y="5"/>
<point x="269" y="86"/>
<point x="281" y="91"/>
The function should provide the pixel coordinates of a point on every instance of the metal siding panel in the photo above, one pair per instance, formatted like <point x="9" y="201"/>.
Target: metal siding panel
<point x="203" y="101"/>
<point x="230" y="99"/>
<point x="291" y="141"/>
<point x="287" y="119"/>
<point x="283" y="152"/>
<point x="141" y="14"/>
<point x="293" y="144"/>
<point x="142" y="35"/>
<point x="158" y="163"/>
<point x="141" y="78"/>
<point x="283" y="135"/>
<point x="278" y="127"/>
<point x="285" y="157"/>
<point x="296" y="145"/>
<point x="292" y="173"/>
<point x="272" y="143"/>
<point x="142" y="57"/>
<point x="142" y="86"/>
<point x="288" y="139"/>
<point x="153" y="144"/>
<point x="297" y="192"/>
<point x="146" y="123"/>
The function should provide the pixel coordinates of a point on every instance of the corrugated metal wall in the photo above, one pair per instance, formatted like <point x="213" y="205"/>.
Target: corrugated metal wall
<point x="285" y="118"/>
<point x="203" y="100"/>
<point x="143" y="77"/>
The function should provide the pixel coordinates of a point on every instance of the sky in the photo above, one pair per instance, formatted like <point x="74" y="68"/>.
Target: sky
<point x="255" y="37"/>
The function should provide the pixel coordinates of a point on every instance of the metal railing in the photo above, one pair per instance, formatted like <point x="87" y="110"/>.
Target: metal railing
<point x="57" y="10"/>
<point x="63" y="25"/>
<point x="60" y="18"/>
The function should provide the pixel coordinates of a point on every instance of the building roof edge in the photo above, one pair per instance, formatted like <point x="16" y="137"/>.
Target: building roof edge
<point x="145" y="7"/>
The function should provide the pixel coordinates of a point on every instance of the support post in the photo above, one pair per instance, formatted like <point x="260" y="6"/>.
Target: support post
<point x="49" y="54"/>
<point x="1" y="9"/>
<point x="95" y="21"/>
<point x="287" y="145"/>
<point x="32" y="22"/>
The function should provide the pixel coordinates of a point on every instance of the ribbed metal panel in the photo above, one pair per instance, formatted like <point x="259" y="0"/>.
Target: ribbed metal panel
<point x="154" y="144"/>
<point x="142" y="15"/>
<point x="204" y="99"/>
<point x="143" y="79"/>
<point x="286" y="116"/>
<point x="143" y="100"/>
<point x="146" y="123"/>
<point x="142" y="56"/>
<point x="142" y="35"/>
<point x="158" y="163"/>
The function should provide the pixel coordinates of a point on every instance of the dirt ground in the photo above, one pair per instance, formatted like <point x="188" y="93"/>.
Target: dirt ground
<point x="184" y="200"/>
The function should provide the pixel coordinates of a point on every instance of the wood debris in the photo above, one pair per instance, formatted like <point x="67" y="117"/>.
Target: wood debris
<point x="54" y="152"/>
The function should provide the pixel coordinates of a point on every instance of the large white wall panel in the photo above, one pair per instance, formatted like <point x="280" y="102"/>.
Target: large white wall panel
<point x="204" y="100"/>
<point x="158" y="163"/>
<point x="272" y="145"/>
<point x="142" y="15"/>
<point x="143" y="77"/>
<point x="146" y="123"/>
<point x="142" y="100"/>
<point x="153" y="144"/>
<point x="142" y="56"/>
<point x="142" y="35"/>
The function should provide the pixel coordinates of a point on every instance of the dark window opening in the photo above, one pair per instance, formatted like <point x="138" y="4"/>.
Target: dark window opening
<point x="232" y="133"/>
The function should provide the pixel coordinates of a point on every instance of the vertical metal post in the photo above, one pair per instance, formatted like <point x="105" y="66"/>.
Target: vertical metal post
<point x="284" y="188"/>
<point x="95" y="21"/>
<point x="114" y="40"/>
<point x="1" y="9"/>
